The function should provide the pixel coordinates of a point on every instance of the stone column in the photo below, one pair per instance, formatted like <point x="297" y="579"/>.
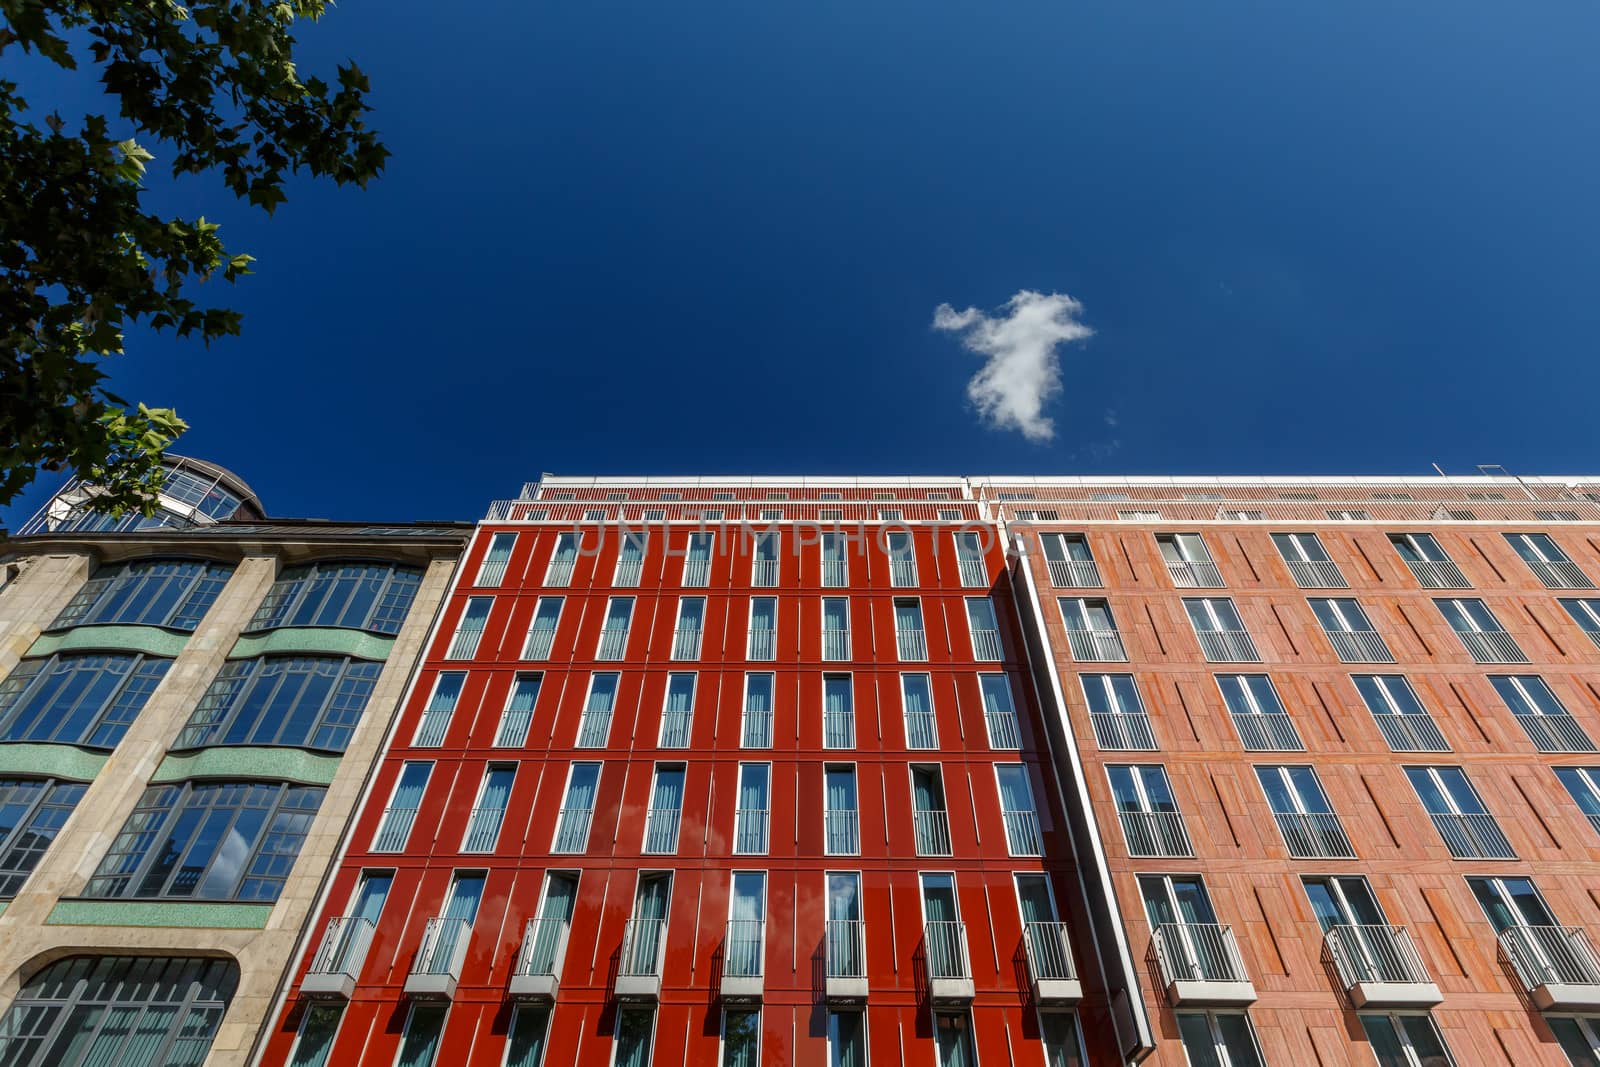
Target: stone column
<point x="33" y="600"/>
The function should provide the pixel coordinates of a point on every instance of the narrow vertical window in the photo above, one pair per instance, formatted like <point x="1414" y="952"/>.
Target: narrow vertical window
<point x="489" y="810"/>
<point x="983" y="628"/>
<point x="594" y="725"/>
<point x="835" y="628"/>
<point x="542" y="628"/>
<point x="764" y="560"/>
<point x="677" y="711"/>
<point x="841" y="819"/>
<point x="689" y="631"/>
<point x="838" y="712"/>
<point x="470" y="627"/>
<point x="763" y="637"/>
<point x="1017" y="810"/>
<point x="753" y="815"/>
<point x="441" y="705"/>
<point x="630" y="559"/>
<point x="902" y="559"/>
<point x="577" y="809"/>
<point x="614" y="629"/>
<point x="911" y="641"/>
<point x="999" y="712"/>
<point x="756" y="729"/>
<point x="835" y="561"/>
<point x="969" y="560"/>
<point x="697" y="560"/>
<point x="401" y="811"/>
<point x="930" y="819"/>
<point x="518" y="714"/>
<point x="916" y="694"/>
<point x="666" y="810"/>
<point x="493" y="569"/>
<point x="562" y="560"/>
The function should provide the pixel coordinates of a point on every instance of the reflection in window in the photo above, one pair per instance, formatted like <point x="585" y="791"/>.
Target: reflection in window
<point x="172" y="593"/>
<point x="359" y="596"/>
<point x="303" y="701"/>
<point x="87" y="700"/>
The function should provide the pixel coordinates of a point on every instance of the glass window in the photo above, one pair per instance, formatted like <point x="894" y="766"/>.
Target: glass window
<point x="542" y="628"/>
<point x="910" y="640"/>
<point x="1116" y="712"/>
<point x="492" y="571"/>
<point x="361" y="596"/>
<point x="630" y="558"/>
<point x="999" y="712"/>
<point x="1218" y="1039"/>
<point x="952" y="1033"/>
<point x="594" y="725"/>
<point x="170" y="593"/>
<point x="209" y="841"/>
<point x="1467" y="827"/>
<point x="1540" y="714"/>
<point x="840" y="817"/>
<point x="530" y="1026"/>
<point x="847" y="1039"/>
<point x="1305" y="818"/>
<point x="838" y="712"/>
<point x="32" y="811"/>
<point x="1400" y="715"/>
<point x="757" y="726"/>
<point x="87" y="700"/>
<point x="916" y="694"/>
<point x="1405" y="1041"/>
<point x="302" y="701"/>
<point x="763" y="628"/>
<point x="494" y="793"/>
<point x="145" y="1011"/>
<point x="835" y="560"/>
<point x="1582" y="782"/>
<point x="420" y="1044"/>
<point x="902" y="558"/>
<point x="1258" y="715"/>
<point x="1062" y="1048"/>
<point x="741" y="1038"/>
<point x="577" y="808"/>
<point x="614" y="630"/>
<point x="983" y="628"/>
<point x="562" y="559"/>
<point x="518" y="714"/>
<point x="677" y="711"/>
<point x="635" y="1028"/>
<point x="318" y="1027"/>
<point x="1017" y="810"/>
<point x="440" y="707"/>
<point x="666" y="810"/>
<point x="469" y="628"/>
<point x="1579" y="1038"/>
<point x="751" y="817"/>
<point x="835" y="628"/>
<point x="395" y="825"/>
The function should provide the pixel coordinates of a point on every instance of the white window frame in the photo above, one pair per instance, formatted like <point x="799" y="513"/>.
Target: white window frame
<point x="488" y="576"/>
<point x="477" y="805"/>
<point x="527" y="644"/>
<point x="463" y="647"/>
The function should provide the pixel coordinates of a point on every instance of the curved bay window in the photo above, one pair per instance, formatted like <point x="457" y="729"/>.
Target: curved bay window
<point x="208" y="841"/>
<point x="356" y="596"/>
<point x="301" y="701"/>
<point x="87" y="700"/>
<point x="171" y="593"/>
<point x="32" y="811"/>
<point x="145" y="1011"/>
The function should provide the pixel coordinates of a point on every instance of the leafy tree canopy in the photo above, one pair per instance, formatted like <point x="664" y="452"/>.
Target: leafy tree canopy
<point x="214" y="86"/>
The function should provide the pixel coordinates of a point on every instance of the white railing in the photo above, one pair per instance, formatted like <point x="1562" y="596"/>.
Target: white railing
<point x="1022" y="833"/>
<point x="430" y="732"/>
<point x="1559" y="574"/>
<point x="1555" y="733"/>
<point x="764" y="572"/>
<point x="1472" y="837"/>
<point x="572" y="830"/>
<point x="902" y="573"/>
<point x="835" y="573"/>
<point x="493" y="572"/>
<point x="836" y="644"/>
<point x="1118" y="730"/>
<point x="986" y="644"/>
<point x="1551" y="955"/>
<point x="1228" y="646"/>
<point x="1359" y="646"/>
<point x="1314" y="836"/>
<point x="921" y="730"/>
<point x="1155" y="834"/>
<point x="932" y="832"/>
<point x="393" y="829"/>
<point x="641" y="948"/>
<point x="560" y="573"/>
<point x="974" y="575"/>
<point x="838" y="729"/>
<point x="444" y="946"/>
<point x="842" y="828"/>
<point x="911" y="644"/>
<point x="1074" y="574"/>
<point x="344" y="946"/>
<point x="593" y="729"/>
<point x="1379" y="954"/>
<point x="846" y="948"/>
<point x="1194" y="574"/>
<point x="661" y="830"/>
<point x="483" y="829"/>
<point x="464" y="642"/>
<point x="946" y="944"/>
<point x="539" y="642"/>
<point x="696" y="573"/>
<point x="628" y="571"/>
<point x="686" y="643"/>
<point x="1272" y="732"/>
<point x="1491" y="646"/>
<point x="1004" y="730"/>
<point x="1316" y="574"/>
<point x="757" y="730"/>
<point x="743" y="948"/>
<point x="1096" y="646"/>
<point x="1049" y="949"/>
<point x="1438" y="574"/>
<point x="544" y="948"/>
<point x="1198" y="952"/>
<point x="1411" y="733"/>
<point x="613" y="641"/>
<point x="763" y="644"/>
<point x="750" y="831"/>
<point x="675" y="728"/>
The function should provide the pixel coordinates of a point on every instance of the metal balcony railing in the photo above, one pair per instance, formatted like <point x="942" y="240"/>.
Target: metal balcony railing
<point x="911" y="645"/>
<point x="764" y="572"/>
<point x="1551" y="955"/>
<point x="593" y="729"/>
<point x="539" y="643"/>
<point x="696" y="573"/>
<point x="661" y="830"/>
<point x="641" y="948"/>
<point x="1022" y="833"/>
<point x="921" y="730"/>
<point x="343" y="948"/>
<point x="1004" y="730"/>
<point x="1123" y="731"/>
<point x="1074" y="574"/>
<point x="1359" y="646"/>
<point x="686" y="643"/>
<point x="902" y="573"/>
<point x="835" y="573"/>
<point x="1382" y="954"/>
<point x="464" y="642"/>
<point x="1049" y="949"/>
<point x="1096" y="646"/>
<point x="974" y="575"/>
<point x="393" y="829"/>
<point x="675" y="728"/>
<point x="839" y="729"/>
<point x="572" y="830"/>
<point x="763" y="644"/>
<point x="836" y="644"/>
<point x="1559" y="574"/>
<point x="1314" y="836"/>
<point x="544" y="948"/>
<point x="1272" y="732"/>
<point x="842" y="828"/>
<point x="1194" y="574"/>
<point x="430" y="732"/>
<point x="613" y="642"/>
<point x="1411" y="733"/>
<point x="1228" y="646"/>
<point x="932" y="832"/>
<point x="628" y="571"/>
<point x="743" y="948"/>
<point x="1316" y="574"/>
<point x="483" y="829"/>
<point x="493" y="572"/>
<point x="946" y="944"/>
<point x="1155" y="834"/>
<point x="1438" y="574"/>
<point x="560" y="573"/>
<point x="750" y="831"/>
<point x="1555" y="733"/>
<point x="986" y="645"/>
<point x="757" y="731"/>
<point x="444" y="946"/>
<point x="1472" y="837"/>
<point x="845" y="948"/>
<point x="1491" y="646"/>
<point x="1198" y="952"/>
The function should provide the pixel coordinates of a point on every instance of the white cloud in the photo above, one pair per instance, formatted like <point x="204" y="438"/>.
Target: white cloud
<point x="1022" y="369"/>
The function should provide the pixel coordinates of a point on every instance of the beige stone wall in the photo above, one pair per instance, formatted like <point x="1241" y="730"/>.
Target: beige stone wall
<point x="263" y="956"/>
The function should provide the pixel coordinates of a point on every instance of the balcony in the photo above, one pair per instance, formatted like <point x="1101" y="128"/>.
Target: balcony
<point x="764" y="572"/>
<point x="572" y="830"/>
<point x="1194" y="574"/>
<point x="1004" y="730"/>
<point x="675" y="726"/>
<point x="1472" y="837"/>
<point x="686" y="643"/>
<point x="845" y="949"/>
<point x="537" y="974"/>
<point x="1556" y="964"/>
<point x="1359" y="646"/>
<point x="757" y="729"/>
<point x="639" y="966"/>
<point x="1096" y="646"/>
<point x="1555" y="733"/>
<point x="1201" y="966"/>
<point x="337" y="964"/>
<point x="902" y="573"/>
<point x="1491" y="646"/>
<point x="1228" y="646"/>
<point x="492" y="573"/>
<point x="1022" y="833"/>
<point x="974" y="575"/>
<point x="986" y="645"/>
<point x="1074" y="574"/>
<point x="394" y="829"/>
<point x="1155" y="834"/>
<point x="743" y="957"/>
<point x="540" y="640"/>
<point x="912" y="645"/>
<point x="1559" y="574"/>
<point x="1271" y="732"/>
<point x="661" y="831"/>
<point x="628" y="571"/>
<point x="1314" y="836"/>
<point x="1411" y="733"/>
<point x="750" y="831"/>
<point x="1118" y="731"/>
<point x="1380" y="967"/>
<point x="932" y="829"/>
<point x="842" y="828"/>
<point x="838" y="729"/>
<point x="1316" y="574"/>
<point x="696" y="573"/>
<point x="593" y="728"/>
<point x="835" y="573"/>
<point x="949" y="969"/>
<point x="560" y="573"/>
<point x="437" y="968"/>
<point x="1050" y="966"/>
<point x="836" y="645"/>
<point x="1438" y="574"/>
<point x="613" y="641"/>
<point x="921" y="730"/>
<point x="763" y="644"/>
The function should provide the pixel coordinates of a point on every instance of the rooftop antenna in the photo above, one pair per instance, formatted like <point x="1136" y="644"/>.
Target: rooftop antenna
<point x="1485" y="469"/>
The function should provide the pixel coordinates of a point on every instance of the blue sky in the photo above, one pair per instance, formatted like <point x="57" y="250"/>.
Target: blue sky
<point x="711" y="237"/>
